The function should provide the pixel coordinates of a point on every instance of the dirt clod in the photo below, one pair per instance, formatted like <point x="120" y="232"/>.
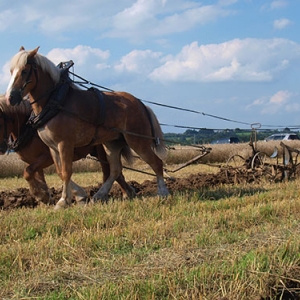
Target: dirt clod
<point x="22" y="198"/>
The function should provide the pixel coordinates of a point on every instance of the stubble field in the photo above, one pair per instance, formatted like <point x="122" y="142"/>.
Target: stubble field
<point x="212" y="238"/>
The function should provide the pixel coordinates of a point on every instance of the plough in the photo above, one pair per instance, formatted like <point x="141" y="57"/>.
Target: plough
<point x="261" y="164"/>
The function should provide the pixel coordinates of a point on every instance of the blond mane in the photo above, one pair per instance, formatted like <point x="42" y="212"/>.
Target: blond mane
<point x="20" y="60"/>
<point x="24" y="108"/>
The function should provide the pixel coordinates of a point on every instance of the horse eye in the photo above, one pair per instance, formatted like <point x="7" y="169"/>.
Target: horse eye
<point x="24" y="72"/>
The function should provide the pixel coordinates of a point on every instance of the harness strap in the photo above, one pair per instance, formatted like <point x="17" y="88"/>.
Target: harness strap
<point x="26" y="135"/>
<point x="132" y="133"/>
<point x="101" y="102"/>
<point x="52" y="107"/>
<point x="101" y="119"/>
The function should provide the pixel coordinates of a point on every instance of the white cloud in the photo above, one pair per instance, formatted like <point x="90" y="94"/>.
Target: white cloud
<point x="189" y="19"/>
<point x="281" y="101"/>
<point x="59" y="17"/>
<point x="254" y="60"/>
<point x="227" y="2"/>
<point x="136" y="19"/>
<point x="281" y="23"/>
<point x="280" y="98"/>
<point x="159" y="17"/>
<point x="275" y="5"/>
<point x="7" y="19"/>
<point x="277" y="102"/>
<point x="292" y="107"/>
<point x="137" y="61"/>
<point x="88" y="61"/>
<point x="4" y="76"/>
<point x="81" y="55"/>
<point x="278" y="4"/>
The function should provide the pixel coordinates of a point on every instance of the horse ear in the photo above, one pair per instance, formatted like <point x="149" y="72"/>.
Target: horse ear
<point x="33" y="52"/>
<point x="22" y="48"/>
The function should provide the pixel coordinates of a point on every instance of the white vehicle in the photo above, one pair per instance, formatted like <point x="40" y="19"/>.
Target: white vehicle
<point x="282" y="137"/>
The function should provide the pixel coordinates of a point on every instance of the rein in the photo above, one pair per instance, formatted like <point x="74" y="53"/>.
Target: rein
<point x="33" y="67"/>
<point x="25" y="135"/>
<point x="83" y="82"/>
<point x="56" y="104"/>
<point x="156" y="139"/>
<point x="48" y="93"/>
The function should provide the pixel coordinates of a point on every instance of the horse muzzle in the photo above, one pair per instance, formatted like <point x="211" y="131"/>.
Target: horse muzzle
<point x="14" y="98"/>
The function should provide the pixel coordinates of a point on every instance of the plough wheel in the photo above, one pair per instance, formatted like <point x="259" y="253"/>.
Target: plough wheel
<point x="260" y="161"/>
<point x="236" y="161"/>
<point x="235" y="169"/>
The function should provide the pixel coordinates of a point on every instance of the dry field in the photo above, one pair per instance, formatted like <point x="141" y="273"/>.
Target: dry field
<point x="11" y="166"/>
<point x="213" y="241"/>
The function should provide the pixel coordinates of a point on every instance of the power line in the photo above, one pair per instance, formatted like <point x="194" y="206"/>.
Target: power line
<point x="83" y="83"/>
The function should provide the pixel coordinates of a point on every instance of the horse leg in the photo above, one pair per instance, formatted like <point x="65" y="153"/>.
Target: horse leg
<point x="115" y="168"/>
<point x="127" y="190"/>
<point x="63" y="157"/>
<point x="144" y="150"/>
<point x="37" y="184"/>
<point x="79" y="193"/>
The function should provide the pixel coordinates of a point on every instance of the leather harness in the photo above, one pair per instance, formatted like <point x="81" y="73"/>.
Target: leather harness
<point x="56" y="103"/>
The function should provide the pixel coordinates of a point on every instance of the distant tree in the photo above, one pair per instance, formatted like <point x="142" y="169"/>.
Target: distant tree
<point x="190" y="132"/>
<point x="206" y="132"/>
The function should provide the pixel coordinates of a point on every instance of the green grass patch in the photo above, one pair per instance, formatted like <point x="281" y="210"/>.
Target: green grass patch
<point x="241" y="244"/>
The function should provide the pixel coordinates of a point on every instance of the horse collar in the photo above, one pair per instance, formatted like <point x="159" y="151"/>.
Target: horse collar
<point x="54" y="104"/>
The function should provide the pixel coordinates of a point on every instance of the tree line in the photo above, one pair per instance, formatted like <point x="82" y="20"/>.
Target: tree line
<point x="208" y="136"/>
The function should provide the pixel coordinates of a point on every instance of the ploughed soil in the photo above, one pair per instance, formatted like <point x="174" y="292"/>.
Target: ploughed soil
<point x="22" y="198"/>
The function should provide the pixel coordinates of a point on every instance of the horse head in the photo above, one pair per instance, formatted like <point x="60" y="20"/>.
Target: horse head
<point x="24" y="76"/>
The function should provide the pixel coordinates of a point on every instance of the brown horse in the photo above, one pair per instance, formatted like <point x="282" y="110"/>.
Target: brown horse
<point x="69" y="117"/>
<point x="31" y="150"/>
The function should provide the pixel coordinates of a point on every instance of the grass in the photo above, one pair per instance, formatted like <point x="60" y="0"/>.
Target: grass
<point x="244" y="245"/>
<point x="236" y="242"/>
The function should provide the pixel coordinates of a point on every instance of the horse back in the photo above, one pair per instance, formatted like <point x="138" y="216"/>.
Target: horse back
<point x="126" y="112"/>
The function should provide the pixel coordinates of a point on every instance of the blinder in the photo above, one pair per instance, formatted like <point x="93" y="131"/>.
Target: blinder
<point x="16" y="95"/>
<point x="33" y="67"/>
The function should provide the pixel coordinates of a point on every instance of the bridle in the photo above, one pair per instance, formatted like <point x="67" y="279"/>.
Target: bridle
<point x="33" y="68"/>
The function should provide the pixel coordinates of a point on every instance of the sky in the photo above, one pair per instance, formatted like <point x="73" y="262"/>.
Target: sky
<point x="232" y="62"/>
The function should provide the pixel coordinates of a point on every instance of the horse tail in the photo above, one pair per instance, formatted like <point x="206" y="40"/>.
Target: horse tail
<point x="127" y="154"/>
<point x="159" y="147"/>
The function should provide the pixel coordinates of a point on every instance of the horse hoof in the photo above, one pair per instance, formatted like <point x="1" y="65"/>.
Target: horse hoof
<point x="83" y="202"/>
<point x="102" y="200"/>
<point x="131" y="193"/>
<point x="58" y="207"/>
<point x="163" y="194"/>
<point x="100" y="197"/>
<point x="60" y="204"/>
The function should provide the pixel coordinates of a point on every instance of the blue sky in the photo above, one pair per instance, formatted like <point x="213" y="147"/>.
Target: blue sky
<point x="234" y="59"/>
